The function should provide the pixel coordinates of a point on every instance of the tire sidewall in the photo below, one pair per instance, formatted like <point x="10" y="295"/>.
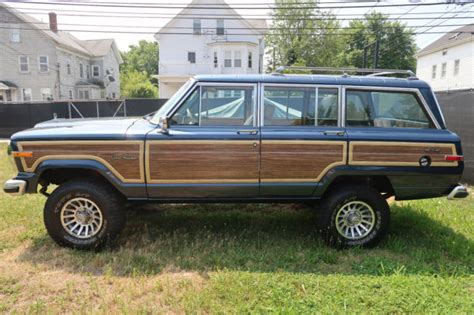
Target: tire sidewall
<point x="374" y="200"/>
<point x="52" y="216"/>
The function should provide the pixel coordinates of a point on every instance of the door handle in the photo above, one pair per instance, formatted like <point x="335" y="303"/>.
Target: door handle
<point x="334" y="133"/>
<point x="247" y="132"/>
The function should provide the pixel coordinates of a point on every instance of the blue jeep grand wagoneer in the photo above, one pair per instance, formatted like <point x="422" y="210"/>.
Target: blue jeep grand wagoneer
<point x="345" y="143"/>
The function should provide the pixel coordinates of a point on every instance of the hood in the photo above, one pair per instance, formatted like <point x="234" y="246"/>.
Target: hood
<point x="77" y="129"/>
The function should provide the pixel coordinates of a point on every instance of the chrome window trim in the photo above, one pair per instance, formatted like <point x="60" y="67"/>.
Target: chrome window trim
<point x="309" y="85"/>
<point x="439" y="107"/>
<point x="392" y="89"/>
<point x="205" y="84"/>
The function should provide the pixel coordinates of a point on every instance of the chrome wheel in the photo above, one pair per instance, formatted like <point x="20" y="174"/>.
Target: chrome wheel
<point x="81" y="218"/>
<point x="355" y="220"/>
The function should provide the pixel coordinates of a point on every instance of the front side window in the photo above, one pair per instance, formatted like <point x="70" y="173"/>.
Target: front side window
<point x="294" y="106"/>
<point x="385" y="109"/>
<point x="443" y="70"/>
<point x="217" y="106"/>
<point x="24" y="64"/>
<point x="43" y="63"/>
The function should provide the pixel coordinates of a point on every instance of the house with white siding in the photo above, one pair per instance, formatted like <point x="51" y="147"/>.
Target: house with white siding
<point x="217" y="40"/>
<point x="448" y="63"/>
<point x="39" y="62"/>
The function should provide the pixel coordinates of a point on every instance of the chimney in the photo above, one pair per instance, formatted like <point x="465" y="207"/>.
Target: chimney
<point x="53" y="22"/>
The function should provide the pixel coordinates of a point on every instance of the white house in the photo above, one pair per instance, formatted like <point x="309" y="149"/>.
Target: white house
<point x="213" y="41"/>
<point x="39" y="62"/>
<point x="448" y="63"/>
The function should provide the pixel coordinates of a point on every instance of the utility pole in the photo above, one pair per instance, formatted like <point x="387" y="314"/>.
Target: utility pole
<point x="376" y="53"/>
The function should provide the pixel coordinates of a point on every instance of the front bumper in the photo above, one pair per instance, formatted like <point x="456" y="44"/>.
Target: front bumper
<point x="15" y="187"/>
<point x="458" y="192"/>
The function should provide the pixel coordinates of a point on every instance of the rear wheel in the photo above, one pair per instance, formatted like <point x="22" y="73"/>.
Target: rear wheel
<point x="354" y="216"/>
<point x="84" y="214"/>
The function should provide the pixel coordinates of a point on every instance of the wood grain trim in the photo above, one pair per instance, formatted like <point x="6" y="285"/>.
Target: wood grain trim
<point x="33" y="167"/>
<point x="151" y="180"/>
<point x="381" y="144"/>
<point x="343" y="161"/>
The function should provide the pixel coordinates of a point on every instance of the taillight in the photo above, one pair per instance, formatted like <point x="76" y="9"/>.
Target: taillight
<point x="22" y="154"/>
<point x="453" y="158"/>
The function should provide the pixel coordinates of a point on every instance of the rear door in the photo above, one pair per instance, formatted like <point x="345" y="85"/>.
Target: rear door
<point x="302" y="138"/>
<point x="212" y="146"/>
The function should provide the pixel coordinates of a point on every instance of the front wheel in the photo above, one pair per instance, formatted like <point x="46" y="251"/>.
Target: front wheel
<point x="354" y="216"/>
<point x="84" y="214"/>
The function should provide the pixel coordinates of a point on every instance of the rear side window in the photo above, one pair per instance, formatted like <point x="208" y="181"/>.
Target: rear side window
<point x="385" y="109"/>
<point x="300" y="106"/>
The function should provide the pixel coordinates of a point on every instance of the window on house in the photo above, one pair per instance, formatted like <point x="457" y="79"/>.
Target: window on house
<point x="250" y="61"/>
<point x="113" y="95"/>
<point x="385" y="109"/>
<point x="237" y="59"/>
<point x="228" y="59"/>
<point x="81" y="70"/>
<point x="70" y="95"/>
<point x="216" y="60"/>
<point x="443" y="70"/>
<point x="15" y="34"/>
<point x="43" y="63"/>
<point x="81" y="95"/>
<point x="46" y="94"/>
<point x="95" y="71"/>
<point x="433" y="72"/>
<point x="68" y="68"/>
<point x="26" y="93"/>
<point x="220" y="27"/>
<point x="197" y="27"/>
<point x="445" y="52"/>
<point x="24" y="64"/>
<point x="8" y="95"/>
<point x="88" y="71"/>
<point x="86" y="95"/>
<point x="456" y="67"/>
<point x="191" y="57"/>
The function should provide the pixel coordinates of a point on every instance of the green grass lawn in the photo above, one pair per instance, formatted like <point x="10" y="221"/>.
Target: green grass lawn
<point x="238" y="258"/>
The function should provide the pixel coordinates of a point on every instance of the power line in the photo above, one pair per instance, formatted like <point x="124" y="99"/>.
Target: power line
<point x="301" y="5"/>
<point x="227" y="28"/>
<point x="175" y="33"/>
<point x="128" y="16"/>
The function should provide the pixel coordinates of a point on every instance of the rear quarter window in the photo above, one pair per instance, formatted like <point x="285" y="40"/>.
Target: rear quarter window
<point x="385" y="109"/>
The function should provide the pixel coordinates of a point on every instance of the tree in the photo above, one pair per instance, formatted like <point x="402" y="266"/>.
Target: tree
<point x="396" y="43"/>
<point x="303" y="35"/>
<point x="139" y="66"/>
<point x="142" y="58"/>
<point x="136" y="84"/>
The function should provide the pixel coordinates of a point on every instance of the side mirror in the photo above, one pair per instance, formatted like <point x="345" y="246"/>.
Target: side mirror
<point x="163" y="124"/>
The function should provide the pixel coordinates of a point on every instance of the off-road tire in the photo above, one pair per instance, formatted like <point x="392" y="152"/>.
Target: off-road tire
<point x="109" y="202"/>
<point x="337" y="199"/>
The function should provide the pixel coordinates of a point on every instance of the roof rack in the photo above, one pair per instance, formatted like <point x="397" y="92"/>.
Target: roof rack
<point x="345" y="71"/>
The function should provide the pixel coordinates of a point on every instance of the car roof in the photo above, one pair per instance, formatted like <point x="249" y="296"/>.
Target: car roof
<point x="316" y="79"/>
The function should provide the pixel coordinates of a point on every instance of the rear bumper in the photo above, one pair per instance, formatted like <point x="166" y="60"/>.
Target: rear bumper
<point x="458" y="192"/>
<point x="15" y="187"/>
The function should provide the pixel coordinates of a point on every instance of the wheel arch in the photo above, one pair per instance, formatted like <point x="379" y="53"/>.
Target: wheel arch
<point x="381" y="183"/>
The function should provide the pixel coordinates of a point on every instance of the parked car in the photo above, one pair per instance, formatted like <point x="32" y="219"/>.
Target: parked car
<point x="343" y="143"/>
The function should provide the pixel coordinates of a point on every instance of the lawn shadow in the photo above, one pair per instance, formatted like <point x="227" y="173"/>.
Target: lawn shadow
<point x="259" y="238"/>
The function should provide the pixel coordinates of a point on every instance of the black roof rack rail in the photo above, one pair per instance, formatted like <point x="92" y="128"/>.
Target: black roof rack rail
<point x="347" y="70"/>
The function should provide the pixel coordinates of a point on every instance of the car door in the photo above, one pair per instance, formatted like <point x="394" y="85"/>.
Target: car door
<point x="211" y="149"/>
<point x="302" y="139"/>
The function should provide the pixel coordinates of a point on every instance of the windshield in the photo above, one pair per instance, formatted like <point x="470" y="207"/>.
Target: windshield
<point x="172" y="101"/>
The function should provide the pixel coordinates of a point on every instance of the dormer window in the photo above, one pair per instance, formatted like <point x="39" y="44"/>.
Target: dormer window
<point x="197" y="27"/>
<point x="445" y="52"/>
<point x="220" y="27"/>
